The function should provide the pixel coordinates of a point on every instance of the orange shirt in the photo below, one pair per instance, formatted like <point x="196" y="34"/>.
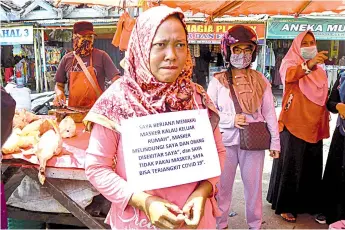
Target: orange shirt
<point x="123" y="31"/>
<point x="303" y="118"/>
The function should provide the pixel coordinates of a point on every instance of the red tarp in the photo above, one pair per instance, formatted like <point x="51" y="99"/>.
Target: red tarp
<point x="234" y="8"/>
<point x="116" y="3"/>
<point x="218" y="8"/>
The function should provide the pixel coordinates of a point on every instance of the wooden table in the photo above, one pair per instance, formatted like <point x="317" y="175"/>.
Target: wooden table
<point x="68" y="165"/>
<point x="14" y="170"/>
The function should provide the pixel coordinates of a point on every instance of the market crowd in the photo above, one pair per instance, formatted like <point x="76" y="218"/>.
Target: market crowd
<point x="158" y="79"/>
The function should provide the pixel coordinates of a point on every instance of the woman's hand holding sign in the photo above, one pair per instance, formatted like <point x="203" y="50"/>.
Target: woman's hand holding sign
<point x="160" y="212"/>
<point x="164" y="214"/>
<point x="195" y="205"/>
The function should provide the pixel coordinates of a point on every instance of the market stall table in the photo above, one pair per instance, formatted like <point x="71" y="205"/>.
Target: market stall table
<point x="68" y="165"/>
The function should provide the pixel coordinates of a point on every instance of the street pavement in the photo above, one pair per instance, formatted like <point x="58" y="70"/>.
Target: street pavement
<point x="270" y="219"/>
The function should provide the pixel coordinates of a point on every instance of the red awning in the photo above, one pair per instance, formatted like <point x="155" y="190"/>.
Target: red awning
<point x="116" y="3"/>
<point x="235" y="8"/>
<point x="229" y="7"/>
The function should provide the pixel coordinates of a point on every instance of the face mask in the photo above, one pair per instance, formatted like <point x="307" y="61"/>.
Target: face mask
<point x="82" y="45"/>
<point x="308" y="52"/>
<point x="240" y="61"/>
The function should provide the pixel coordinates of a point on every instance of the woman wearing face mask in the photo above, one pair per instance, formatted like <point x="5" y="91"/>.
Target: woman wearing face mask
<point x="254" y="95"/>
<point x="303" y="123"/>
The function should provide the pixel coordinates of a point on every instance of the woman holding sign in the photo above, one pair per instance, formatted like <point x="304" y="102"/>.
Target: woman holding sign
<point x="245" y="102"/>
<point x="157" y="80"/>
<point x="304" y="121"/>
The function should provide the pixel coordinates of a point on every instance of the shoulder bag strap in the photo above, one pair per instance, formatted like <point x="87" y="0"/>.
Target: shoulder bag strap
<point x="88" y="75"/>
<point x="234" y="97"/>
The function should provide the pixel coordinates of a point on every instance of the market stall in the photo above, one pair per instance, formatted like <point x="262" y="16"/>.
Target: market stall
<point x="295" y="9"/>
<point x="65" y="191"/>
<point x="66" y="197"/>
<point x="206" y="32"/>
<point x="17" y="53"/>
<point x="67" y="167"/>
<point x="58" y="42"/>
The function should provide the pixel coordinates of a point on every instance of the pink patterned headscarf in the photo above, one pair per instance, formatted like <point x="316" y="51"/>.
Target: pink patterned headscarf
<point x="138" y="93"/>
<point x="314" y="85"/>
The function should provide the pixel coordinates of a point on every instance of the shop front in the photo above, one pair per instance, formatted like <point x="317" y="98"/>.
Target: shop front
<point x="204" y="45"/>
<point x="17" y="53"/>
<point x="53" y="39"/>
<point x="329" y="33"/>
<point x="58" y="42"/>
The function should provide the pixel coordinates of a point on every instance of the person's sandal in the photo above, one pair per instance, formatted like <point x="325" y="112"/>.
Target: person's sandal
<point x="288" y="217"/>
<point x="320" y="218"/>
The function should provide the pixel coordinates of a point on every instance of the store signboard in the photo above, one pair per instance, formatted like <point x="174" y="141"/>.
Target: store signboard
<point x="200" y="33"/>
<point x="289" y="28"/>
<point x="16" y="35"/>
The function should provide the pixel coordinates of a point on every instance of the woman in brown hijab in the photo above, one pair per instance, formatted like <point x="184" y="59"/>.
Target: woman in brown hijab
<point x="254" y="96"/>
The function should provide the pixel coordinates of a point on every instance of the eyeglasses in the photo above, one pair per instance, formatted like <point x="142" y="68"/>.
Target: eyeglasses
<point x="238" y="50"/>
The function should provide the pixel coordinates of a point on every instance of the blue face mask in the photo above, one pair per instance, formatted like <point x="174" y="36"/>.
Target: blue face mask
<point x="308" y="52"/>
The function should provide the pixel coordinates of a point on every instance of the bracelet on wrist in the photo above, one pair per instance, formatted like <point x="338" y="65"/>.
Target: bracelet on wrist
<point x="305" y="68"/>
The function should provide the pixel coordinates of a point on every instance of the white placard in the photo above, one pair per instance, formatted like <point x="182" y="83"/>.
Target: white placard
<point x="16" y="35"/>
<point x="169" y="149"/>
